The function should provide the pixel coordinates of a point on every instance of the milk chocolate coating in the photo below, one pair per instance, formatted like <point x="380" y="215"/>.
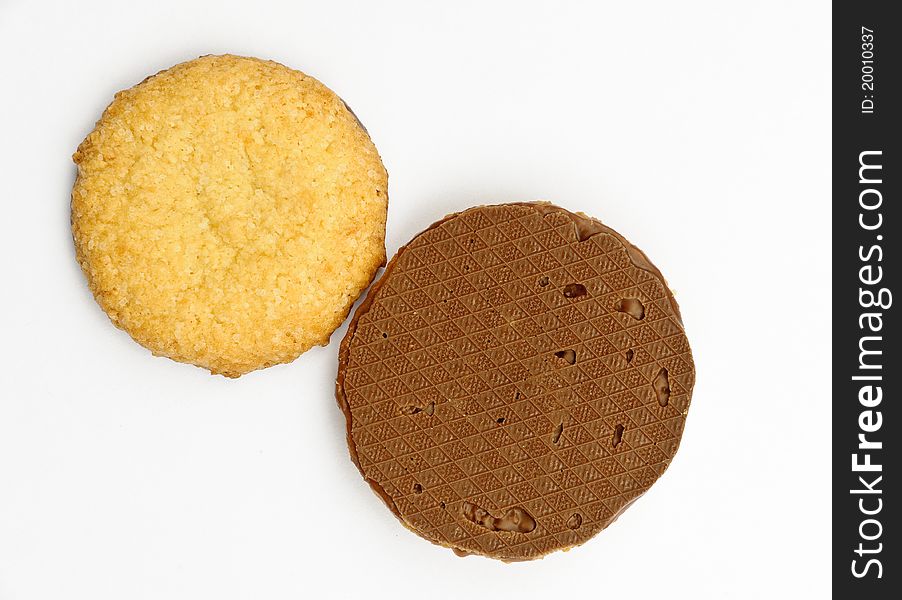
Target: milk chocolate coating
<point x="517" y="377"/>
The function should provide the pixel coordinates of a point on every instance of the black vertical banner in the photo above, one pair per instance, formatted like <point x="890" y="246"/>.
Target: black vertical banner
<point x="867" y="371"/>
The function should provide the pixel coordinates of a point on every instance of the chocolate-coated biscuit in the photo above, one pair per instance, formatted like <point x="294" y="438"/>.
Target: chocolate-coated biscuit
<point x="517" y="377"/>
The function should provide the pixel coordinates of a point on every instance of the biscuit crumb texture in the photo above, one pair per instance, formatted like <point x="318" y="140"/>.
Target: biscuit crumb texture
<point x="228" y="212"/>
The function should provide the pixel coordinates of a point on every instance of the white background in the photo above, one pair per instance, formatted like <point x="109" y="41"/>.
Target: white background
<point x="701" y="131"/>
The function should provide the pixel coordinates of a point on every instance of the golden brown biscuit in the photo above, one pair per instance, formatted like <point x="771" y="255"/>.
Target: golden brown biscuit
<point x="228" y="211"/>
<point x="515" y="380"/>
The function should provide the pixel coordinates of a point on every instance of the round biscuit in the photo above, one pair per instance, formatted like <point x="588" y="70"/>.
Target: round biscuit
<point x="516" y="379"/>
<point x="228" y="211"/>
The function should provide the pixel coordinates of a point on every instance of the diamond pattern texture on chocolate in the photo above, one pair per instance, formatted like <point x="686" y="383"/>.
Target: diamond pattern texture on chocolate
<point x="455" y="397"/>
